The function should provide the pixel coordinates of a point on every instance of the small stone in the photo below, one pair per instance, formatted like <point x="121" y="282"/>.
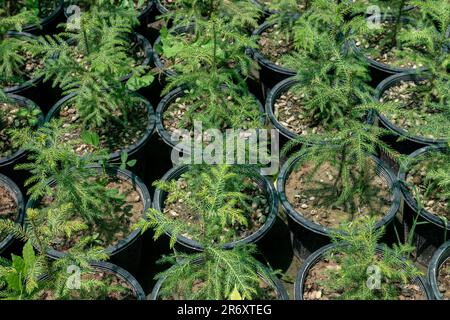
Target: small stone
<point x="304" y="206"/>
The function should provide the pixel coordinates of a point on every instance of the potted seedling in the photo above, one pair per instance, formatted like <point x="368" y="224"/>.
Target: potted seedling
<point x="208" y="84"/>
<point x="426" y="190"/>
<point x="214" y="213"/>
<point x="19" y="67"/>
<point x="381" y="46"/>
<point x="96" y="99"/>
<point x="16" y="112"/>
<point x="46" y="14"/>
<point x="356" y="267"/>
<point x="238" y="200"/>
<point x="108" y="199"/>
<point x="34" y="275"/>
<point x="423" y="99"/>
<point x="330" y="80"/>
<point x="335" y="178"/>
<point x="276" y="39"/>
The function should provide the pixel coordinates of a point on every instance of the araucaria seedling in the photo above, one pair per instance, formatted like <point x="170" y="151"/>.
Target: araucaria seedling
<point x="212" y="64"/>
<point x="361" y="269"/>
<point x="214" y="273"/>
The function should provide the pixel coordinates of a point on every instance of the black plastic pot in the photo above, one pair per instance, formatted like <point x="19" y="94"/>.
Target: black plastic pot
<point x="188" y="245"/>
<point x="7" y="164"/>
<point x="380" y="71"/>
<point x="126" y="253"/>
<point x="48" y="24"/>
<point x="135" y="151"/>
<point x="7" y="243"/>
<point x="441" y="255"/>
<point x="270" y="74"/>
<point x="319" y="255"/>
<point x="119" y="272"/>
<point x="410" y="142"/>
<point x="308" y="236"/>
<point x="162" y="107"/>
<point x="35" y="89"/>
<point x="429" y="236"/>
<point x="273" y="281"/>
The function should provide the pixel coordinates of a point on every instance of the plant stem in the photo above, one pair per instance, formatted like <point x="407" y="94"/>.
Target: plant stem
<point x="86" y="43"/>
<point x="398" y="19"/>
<point x="341" y="168"/>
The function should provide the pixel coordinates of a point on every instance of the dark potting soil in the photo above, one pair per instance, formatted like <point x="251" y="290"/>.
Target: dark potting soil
<point x="414" y="116"/>
<point x="264" y="291"/>
<point x="444" y="279"/>
<point x="13" y="7"/>
<point x="320" y="273"/>
<point x="274" y="43"/>
<point x="114" y="227"/>
<point x="117" y="288"/>
<point x="8" y="206"/>
<point x="114" y="136"/>
<point x="376" y="46"/>
<point x="432" y="202"/>
<point x="313" y="197"/>
<point x="291" y="113"/>
<point x="256" y="212"/>
<point x="9" y="120"/>
<point x="30" y="69"/>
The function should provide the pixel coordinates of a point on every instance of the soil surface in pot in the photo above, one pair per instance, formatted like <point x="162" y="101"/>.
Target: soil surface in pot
<point x="264" y="291"/>
<point x="47" y="7"/>
<point x="29" y="68"/>
<point x="376" y="46"/>
<point x="114" y="136"/>
<point x="275" y="43"/>
<point x="320" y="273"/>
<point x="313" y="197"/>
<point x="8" y="206"/>
<point x="444" y="279"/>
<point x="175" y="118"/>
<point x="256" y="212"/>
<point x="10" y="119"/>
<point x="117" y="288"/>
<point x="290" y="111"/>
<point x="114" y="227"/>
<point x="413" y="115"/>
<point x="432" y="202"/>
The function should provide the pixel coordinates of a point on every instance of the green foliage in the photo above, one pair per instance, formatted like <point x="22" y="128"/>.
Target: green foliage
<point x="212" y="62"/>
<point x="237" y="14"/>
<point x="213" y="274"/>
<point x="94" y="66"/>
<point x="12" y="62"/>
<point x="426" y="46"/>
<point x="215" y="193"/>
<point x="52" y="157"/>
<point x="348" y="149"/>
<point x="356" y="253"/>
